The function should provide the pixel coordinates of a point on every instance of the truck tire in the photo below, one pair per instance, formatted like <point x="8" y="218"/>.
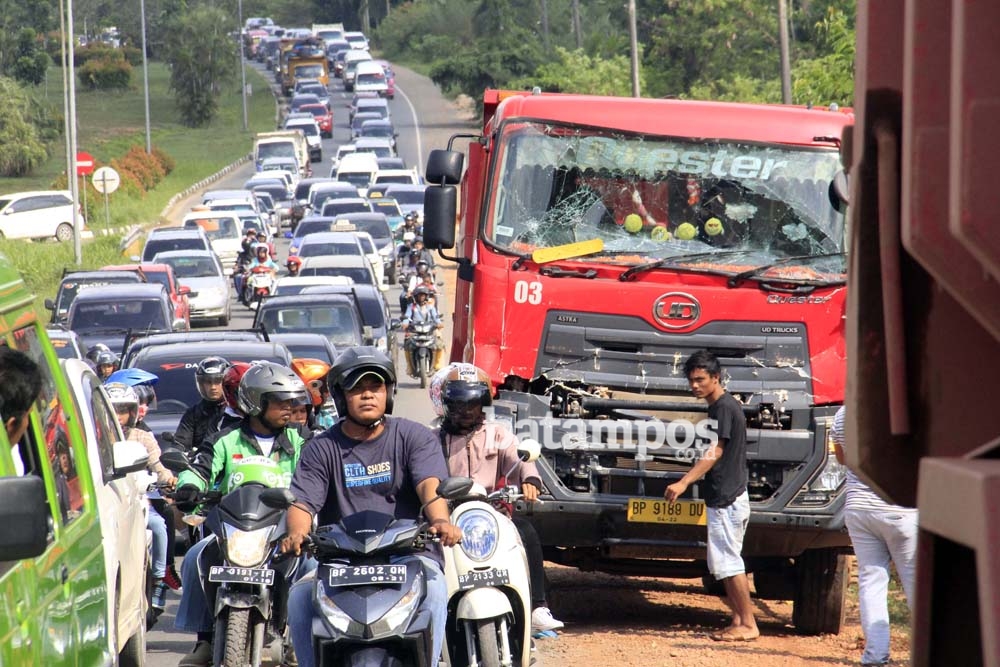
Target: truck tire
<point x="821" y="577"/>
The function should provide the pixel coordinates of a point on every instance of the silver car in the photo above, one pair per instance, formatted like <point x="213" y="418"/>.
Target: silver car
<point x="201" y="271"/>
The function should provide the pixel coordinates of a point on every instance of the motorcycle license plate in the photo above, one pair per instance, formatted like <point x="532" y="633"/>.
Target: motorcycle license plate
<point x="365" y="575"/>
<point x="241" y="575"/>
<point x="480" y="578"/>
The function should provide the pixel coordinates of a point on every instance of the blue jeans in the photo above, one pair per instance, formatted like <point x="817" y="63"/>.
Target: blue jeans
<point x="194" y="614"/>
<point x="158" y="527"/>
<point x="300" y="609"/>
<point x="878" y="537"/>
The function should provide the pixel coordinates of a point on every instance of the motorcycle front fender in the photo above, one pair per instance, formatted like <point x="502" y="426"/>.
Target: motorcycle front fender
<point x="480" y="603"/>
<point x="233" y="598"/>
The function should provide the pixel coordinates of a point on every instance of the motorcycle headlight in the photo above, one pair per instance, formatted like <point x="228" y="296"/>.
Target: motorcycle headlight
<point x="399" y="616"/>
<point x="247" y="548"/>
<point x="479" y="534"/>
<point x="334" y="616"/>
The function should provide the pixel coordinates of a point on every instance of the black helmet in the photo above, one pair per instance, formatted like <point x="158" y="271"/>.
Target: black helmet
<point x="352" y="365"/>
<point x="211" y="369"/>
<point x="463" y="386"/>
<point x="421" y="289"/>
<point x="96" y="350"/>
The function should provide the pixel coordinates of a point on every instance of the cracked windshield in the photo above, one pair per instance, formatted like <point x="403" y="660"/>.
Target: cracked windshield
<point x="726" y="206"/>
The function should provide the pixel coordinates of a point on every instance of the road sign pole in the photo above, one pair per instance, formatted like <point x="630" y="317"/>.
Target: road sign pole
<point x="83" y="189"/>
<point x="107" y="206"/>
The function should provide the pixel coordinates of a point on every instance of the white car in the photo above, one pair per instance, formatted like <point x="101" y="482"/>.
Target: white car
<point x="118" y="467"/>
<point x="42" y="214"/>
<point x="373" y="254"/>
<point x="224" y="230"/>
<point x="201" y="272"/>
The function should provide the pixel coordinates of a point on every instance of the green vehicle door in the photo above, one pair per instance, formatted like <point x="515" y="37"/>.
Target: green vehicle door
<point x="53" y="607"/>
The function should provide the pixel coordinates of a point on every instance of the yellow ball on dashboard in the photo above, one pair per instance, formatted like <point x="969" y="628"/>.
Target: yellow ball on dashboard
<point x="633" y="223"/>
<point x="685" y="231"/>
<point x="659" y="233"/>
<point x="713" y="227"/>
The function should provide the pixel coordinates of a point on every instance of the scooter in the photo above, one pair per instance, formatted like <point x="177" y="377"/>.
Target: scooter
<point x="419" y="344"/>
<point x="489" y="597"/>
<point x="242" y="569"/>
<point x="259" y="284"/>
<point x="367" y="608"/>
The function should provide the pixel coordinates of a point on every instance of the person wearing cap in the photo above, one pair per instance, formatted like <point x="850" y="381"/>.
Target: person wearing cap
<point x="418" y="312"/>
<point x="369" y="460"/>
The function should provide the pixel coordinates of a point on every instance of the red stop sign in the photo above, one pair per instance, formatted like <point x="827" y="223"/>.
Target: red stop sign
<point x="84" y="163"/>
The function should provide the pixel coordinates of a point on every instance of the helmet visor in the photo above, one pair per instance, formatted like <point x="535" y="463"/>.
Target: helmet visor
<point x="352" y="380"/>
<point x="295" y="398"/>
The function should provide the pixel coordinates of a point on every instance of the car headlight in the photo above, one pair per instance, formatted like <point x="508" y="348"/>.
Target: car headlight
<point x="399" y="616"/>
<point x="480" y="533"/>
<point x="334" y="616"/>
<point x="247" y="548"/>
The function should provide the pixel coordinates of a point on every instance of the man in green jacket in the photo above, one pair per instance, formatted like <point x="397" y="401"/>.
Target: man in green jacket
<point x="267" y="394"/>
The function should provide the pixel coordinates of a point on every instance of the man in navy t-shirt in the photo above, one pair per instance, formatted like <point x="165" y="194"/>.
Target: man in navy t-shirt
<point x="368" y="461"/>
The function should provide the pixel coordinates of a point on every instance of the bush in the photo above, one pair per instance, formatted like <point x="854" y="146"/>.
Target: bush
<point x="95" y="51"/>
<point x="105" y="74"/>
<point x="133" y="56"/>
<point x="169" y="164"/>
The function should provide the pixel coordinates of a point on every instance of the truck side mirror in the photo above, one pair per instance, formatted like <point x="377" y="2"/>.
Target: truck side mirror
<point x="440" y="211"/>
<point x="24" y="514"/>
<point x="444" y="167"/>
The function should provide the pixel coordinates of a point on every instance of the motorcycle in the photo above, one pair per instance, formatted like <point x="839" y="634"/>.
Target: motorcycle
<point x="259" y="283"/>
<point x="243" y="569"/>
<point x="419" y="344"/>
<point x="366" y="605"/>
<point x="488" y="583"/>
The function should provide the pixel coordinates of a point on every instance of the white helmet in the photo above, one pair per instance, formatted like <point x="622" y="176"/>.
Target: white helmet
<point x="124" y="396"/>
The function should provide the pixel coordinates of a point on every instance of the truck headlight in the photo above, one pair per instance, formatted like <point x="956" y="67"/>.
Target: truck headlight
<point x="827" y="483"/>
<point x="247" y="548"/>
<point x="480" y="534"/>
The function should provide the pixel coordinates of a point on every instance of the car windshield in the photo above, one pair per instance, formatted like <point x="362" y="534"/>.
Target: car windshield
<point x="192" y="267"/>
<point x="314" y="89"/>
<point x="309" y="71"/>
<point x="277" y="192"/>
<point x="156" y="246"/>
<point x="372" y="78"/>
<point x="308" y="129"/>
<point x="358" y="179"/>
<point x="377" y="151"/>
<point x="408" y="197"/>
<point x="329" y="249"/>
<point x="335" y="321"/>
<point x="309" y="351"/>
<point x="252" y="223"/>
<point x="358" y="274"/>
<point x="135" y="314"/>
<point x="401" y="179"/>
<point x="317" y="110"/>
<point x="70" y="288"/>
<point x="275" y="149"/>
<point x="377" y="229"/>
<point x="217" y="228"/>
<point x="388" y="207"/>
<point x="335" y="207"/>
<point x="650" y="197"/>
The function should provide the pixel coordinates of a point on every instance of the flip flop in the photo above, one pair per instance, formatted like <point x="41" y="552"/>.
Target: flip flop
<point x="733" y="637"/>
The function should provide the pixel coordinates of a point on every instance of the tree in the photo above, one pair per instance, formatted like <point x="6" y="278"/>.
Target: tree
<point x="21" y="148"/>
<point x="828" y="78"/>
<point x="201" y="55"/>
<point x="576" y="72"/>
<point x="31" y="62"/>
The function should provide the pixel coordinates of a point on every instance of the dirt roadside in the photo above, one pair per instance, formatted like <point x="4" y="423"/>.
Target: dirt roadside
<point x="641" y="621"/>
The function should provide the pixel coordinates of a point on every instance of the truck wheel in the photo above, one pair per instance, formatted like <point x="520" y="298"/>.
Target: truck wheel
<point x="821" y="579"/>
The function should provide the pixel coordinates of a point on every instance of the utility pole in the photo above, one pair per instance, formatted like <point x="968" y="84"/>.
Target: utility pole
<point x="243" y="70"/>
<point x="577" y="30"/>
<point x="786" y="67"/>
<point x="145" y="76"/>
<point x="634" y="42"/>
<point x="70" y="174"/>
<point x="71" y="136"/>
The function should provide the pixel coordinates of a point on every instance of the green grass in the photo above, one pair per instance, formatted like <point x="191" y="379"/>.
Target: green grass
<point x="109" y="123"/>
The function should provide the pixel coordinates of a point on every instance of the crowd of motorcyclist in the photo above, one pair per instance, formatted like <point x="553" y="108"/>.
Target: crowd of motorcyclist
<point x="310" y="419"/>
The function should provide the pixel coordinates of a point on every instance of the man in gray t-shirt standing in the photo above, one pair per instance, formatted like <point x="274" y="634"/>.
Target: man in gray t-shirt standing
<point x="879" y="532"/>
<point x="724" y="467"/>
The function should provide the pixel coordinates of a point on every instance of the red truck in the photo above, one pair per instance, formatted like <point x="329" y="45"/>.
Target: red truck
<point x="603" y="240"/>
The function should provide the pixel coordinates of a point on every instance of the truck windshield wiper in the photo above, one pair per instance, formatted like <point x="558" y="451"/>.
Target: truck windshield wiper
<point x="738" y="278"/>
<point x="676" y="261"/>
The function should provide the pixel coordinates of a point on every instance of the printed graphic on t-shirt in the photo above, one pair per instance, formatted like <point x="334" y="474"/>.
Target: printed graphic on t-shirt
<point x="356" y="474"/>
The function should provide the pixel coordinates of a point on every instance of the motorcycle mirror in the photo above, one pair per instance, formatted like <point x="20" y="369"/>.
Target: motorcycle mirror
<point x="529" y="450"/>
<point x="455" y="487"/>
<point x="279" y="499"/>
<point x="175" y="460"/>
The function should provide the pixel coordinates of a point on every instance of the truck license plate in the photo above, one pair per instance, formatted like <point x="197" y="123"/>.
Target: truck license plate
<point x="480" y="578"/>
<point x="650" y="510"/>
<point x="365" y="575"/>
<point x="241" y="575"/>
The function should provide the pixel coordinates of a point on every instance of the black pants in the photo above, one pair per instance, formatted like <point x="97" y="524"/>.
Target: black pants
<point x="536" y="562"/>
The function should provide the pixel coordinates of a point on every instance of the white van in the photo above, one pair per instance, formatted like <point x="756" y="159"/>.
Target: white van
<point x="358" y="169"/>
<point x="369" y="77"/>
<point x="42" y="214"/>
<point x="351" y="60"/>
